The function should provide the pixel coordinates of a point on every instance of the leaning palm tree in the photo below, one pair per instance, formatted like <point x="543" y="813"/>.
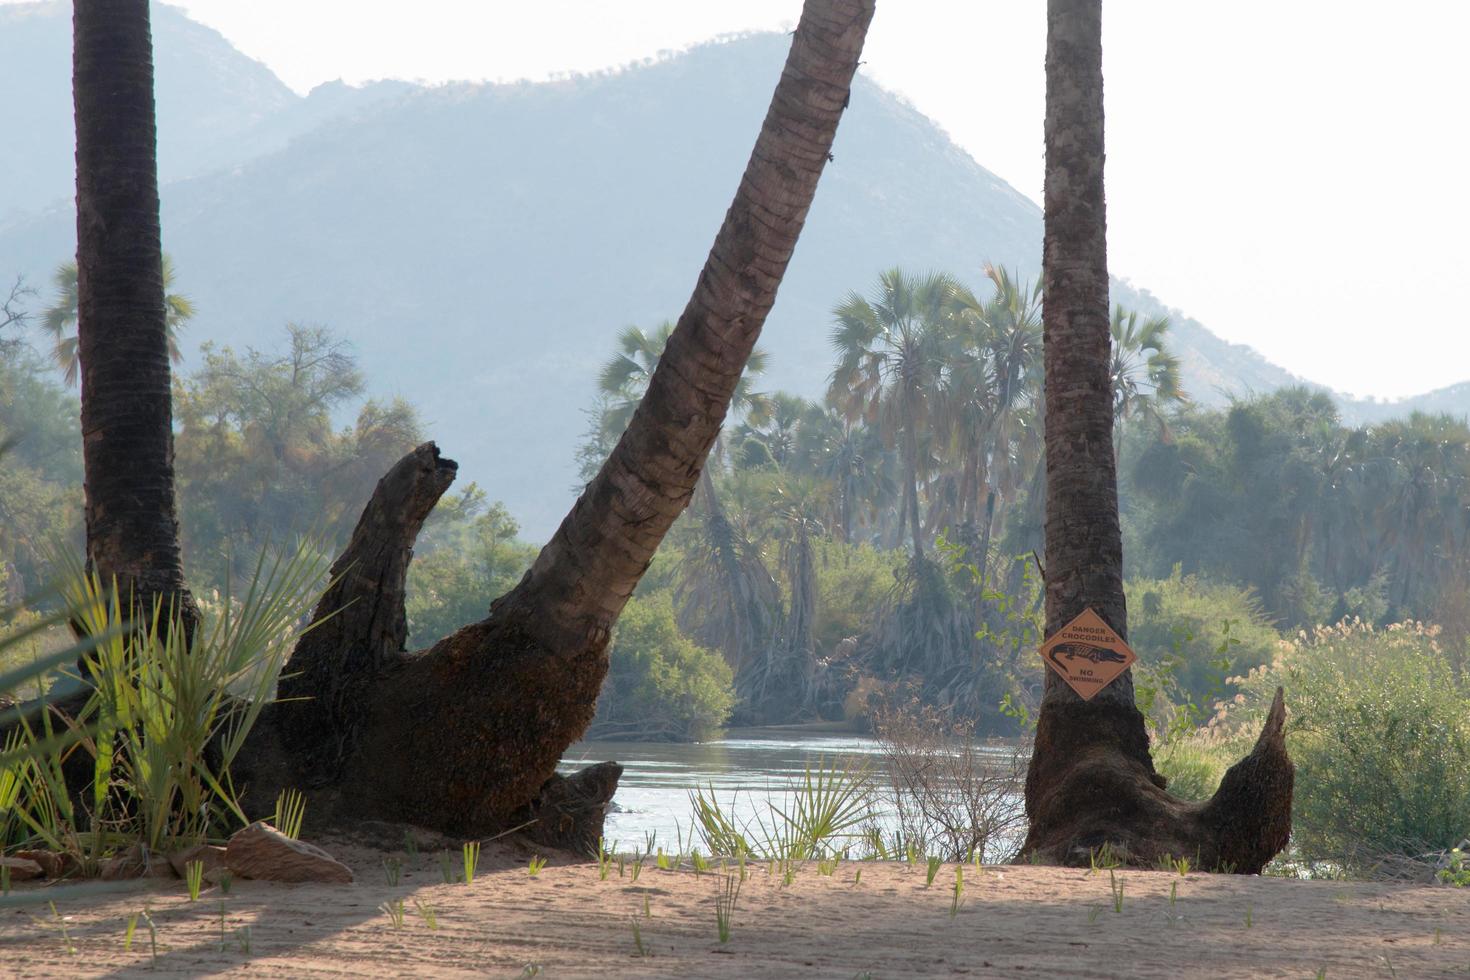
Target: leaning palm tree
<point x="121" y="311"/>
<point x="889" y="369"/>
<point x="60" y="318"/>
<point x="1091" y="781"/>
<point x="465" y="737"/>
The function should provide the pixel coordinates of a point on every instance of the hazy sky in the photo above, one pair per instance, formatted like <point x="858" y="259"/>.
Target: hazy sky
<point x="1284" y="171"/>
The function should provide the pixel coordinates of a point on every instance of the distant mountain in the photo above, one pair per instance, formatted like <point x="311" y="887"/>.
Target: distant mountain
<point x="481" y="245"/>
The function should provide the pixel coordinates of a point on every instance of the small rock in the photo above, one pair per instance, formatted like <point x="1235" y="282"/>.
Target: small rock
<point x="21" y="869"/>
<point x="212" y="857"/>
<point x="53" y="865"/>
<point x="262" y="852"/>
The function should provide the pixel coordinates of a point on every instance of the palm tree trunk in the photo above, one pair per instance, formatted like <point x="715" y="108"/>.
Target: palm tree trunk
<point x="1091" y="780"/>
<point x="127" y="424"/>
<point x="911" y="481"/>
<point x="466" y="736"/>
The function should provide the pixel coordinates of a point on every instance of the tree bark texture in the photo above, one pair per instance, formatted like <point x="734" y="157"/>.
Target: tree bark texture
<point x="465" y="737"/>
<point x="1091" y="780"/>
<point x="127" y="422"/>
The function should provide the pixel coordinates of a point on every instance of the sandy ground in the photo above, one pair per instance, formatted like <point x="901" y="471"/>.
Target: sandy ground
<point x="566" y="922"/>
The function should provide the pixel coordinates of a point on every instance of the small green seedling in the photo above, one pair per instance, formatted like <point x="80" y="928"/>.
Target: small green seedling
<point x="221" y="925"/>
<point x="446" y="868"/>
<point x="1247" y="916"/>
<point x="1117" y="888"/>
<point x="725" y="907"/>
<point x="934" y="865"/>
<point x="1182" y="866"/>
<point x="152" y="936"/>
<point x="826" y="867"/>
<point x="788" y="874"/>
<point x="858" y="878"/>
<point x="410" y="845"/>
<point x="636" y="868"/>
<point x="622" y="865"/>
<point x="647" y="914"/>
<point x="471" y="860"/>
<point x="1093" y="913"/>
<point x="428" y="914"/>
<point x="537" y="863"/>
<point x="662" y="860"/>
<point x="959" y="890"/>
<point x="392" y="870"/>
<point x="71" y="949"/>
<point x="226" y="881"/>
<point x="700" y="865"/>
<point x="242" y="939"/>
<point x="194" y="878"/>
<point x="290" y="811"/>
<point x="604" y="860"/>
<point x="637" y="936"/>
<point x="394" y="911"/>
<point x="128" y="933"/>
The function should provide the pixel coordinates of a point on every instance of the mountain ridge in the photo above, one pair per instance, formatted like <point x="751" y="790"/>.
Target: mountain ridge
<point x="449" y="231"/>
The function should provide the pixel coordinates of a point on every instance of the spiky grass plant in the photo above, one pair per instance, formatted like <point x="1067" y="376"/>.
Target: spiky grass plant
<point x="392" y="870"/>
<point x="290" y="812"/>
<point x="538" y="862"/>
<point x="165" y="713"/>
<point x="829" y="804"/>
<point x="446" y="868"/>
<point x="428" y="913"/>
<point x="725" y="900"/>
<point x="194" y="878"/>
<point x="1115" y="884"/>
<point x="959" y="890"/>
<point x="471" y="854"/>
<point x="932" y="872"/>
<point x="394" y="911"/>
<point x="604" y="860"/>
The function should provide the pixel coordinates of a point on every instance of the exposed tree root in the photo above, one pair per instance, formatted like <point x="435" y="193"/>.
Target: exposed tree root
<point x="1088" y="790"/>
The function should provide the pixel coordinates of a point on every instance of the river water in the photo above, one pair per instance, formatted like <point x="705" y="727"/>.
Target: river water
<point x="749" y="770"/>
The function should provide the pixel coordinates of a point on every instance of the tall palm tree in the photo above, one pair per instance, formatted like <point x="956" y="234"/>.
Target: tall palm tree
<point x="995" y="374"/>
<point x="122" y="319"/>
<point x="507" y="695"/>
<point x="1091" y="780"/>
<point x="1145" y="375"/>
<point x="60" y="318"/>
<point x="890" y="367"/>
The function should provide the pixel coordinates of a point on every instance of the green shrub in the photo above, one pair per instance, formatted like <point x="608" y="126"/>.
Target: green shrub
<point x="852" y="581"/>
<point x="467" y="555"/>
<point x="660" y="684"/>
<point x="1194" y="765"/>
<point x="1380" y="732"/>
<point x="1190" y="635"/>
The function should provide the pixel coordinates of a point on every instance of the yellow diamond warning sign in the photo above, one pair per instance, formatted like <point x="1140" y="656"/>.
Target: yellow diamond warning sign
<point x="1087" y="654"/>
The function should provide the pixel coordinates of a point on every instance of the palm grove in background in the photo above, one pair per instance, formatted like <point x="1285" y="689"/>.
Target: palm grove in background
<point x="794" y="561"/>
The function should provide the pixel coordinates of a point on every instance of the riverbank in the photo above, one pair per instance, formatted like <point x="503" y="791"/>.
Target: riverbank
<point x="865" y="919"/>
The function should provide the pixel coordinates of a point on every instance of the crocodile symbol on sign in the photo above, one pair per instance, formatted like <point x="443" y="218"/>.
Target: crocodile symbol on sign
<point x="1087" y="651"/>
